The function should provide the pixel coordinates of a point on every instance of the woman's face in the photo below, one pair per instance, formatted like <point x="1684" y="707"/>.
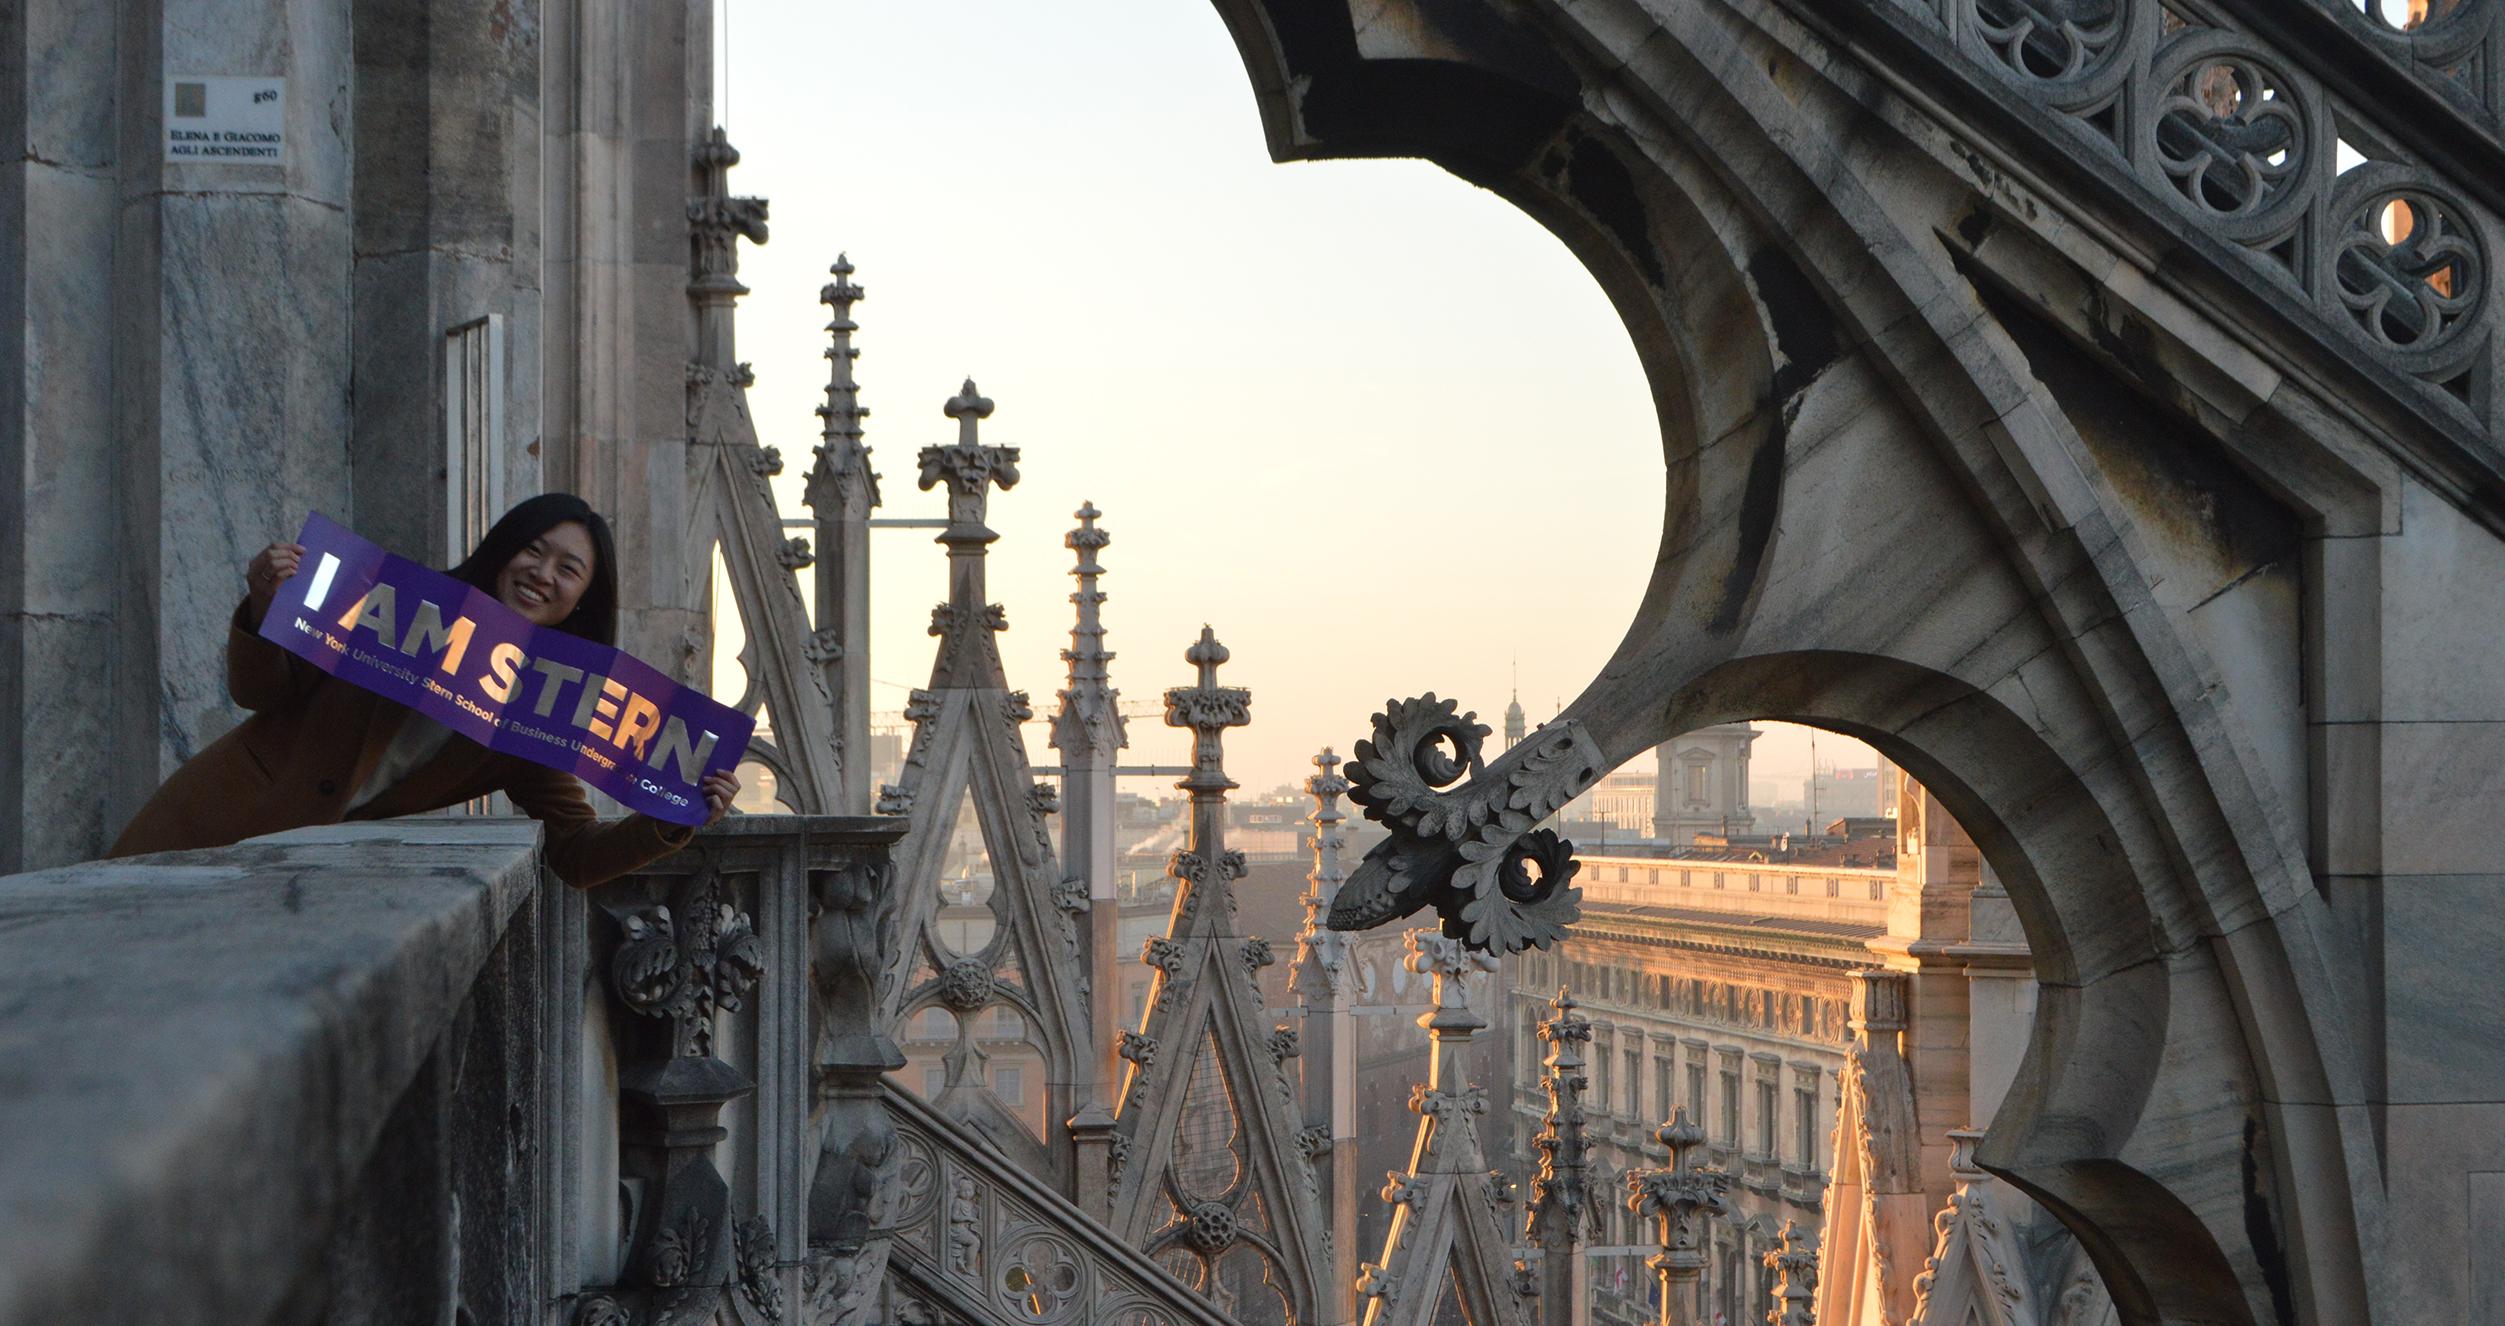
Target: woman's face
<point x="547" y="578"/>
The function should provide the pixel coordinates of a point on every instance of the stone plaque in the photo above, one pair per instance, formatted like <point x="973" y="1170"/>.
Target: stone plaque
<point x="224" y="120"/>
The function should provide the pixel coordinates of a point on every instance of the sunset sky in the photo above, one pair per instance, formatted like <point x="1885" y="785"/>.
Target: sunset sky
<point x="1373" y="424"/>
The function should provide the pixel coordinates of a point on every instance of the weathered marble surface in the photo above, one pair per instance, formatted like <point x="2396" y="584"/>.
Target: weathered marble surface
<point x="624" y="110"/>
<point x="202" y="1050"/>
<point x="2187" y="612"/>
<point x="57" y="554"/>
<point x="231" y="367"/>
<point x="445" y="96"/>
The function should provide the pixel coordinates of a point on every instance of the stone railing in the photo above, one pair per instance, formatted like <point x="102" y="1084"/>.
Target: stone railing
<point x="311" y="1075"/>
<point x="2446" y="46"/>
<point x="315" y="1074"/>
<point x="2255" y="133"/>
<point x="717" y="1150"/>
<point x="294" y="1080"/>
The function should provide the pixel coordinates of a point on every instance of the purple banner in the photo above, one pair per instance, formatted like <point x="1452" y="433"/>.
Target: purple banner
<point x="414" y="635"/>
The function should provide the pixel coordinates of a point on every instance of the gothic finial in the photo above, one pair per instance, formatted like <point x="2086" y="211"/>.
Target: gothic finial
<point x="1795" y="1266"/>
<point x="1320" y="950"/>
<point x="842" y="468"/>
<point x="1681" y="1135"/>
<point x="1559" y="1194"/>
<point x="1206" y="654"/>
<point x="1208" y="709"/>
<point x="1089" y="717"/>
<point x="969" y="468"/>
<point x="1326" y="787"/>
<point x="716" y="223"/>
<point x="1451" y="963"/>
<point x="1682" y="1198"/>
<point x="969" y="408"/>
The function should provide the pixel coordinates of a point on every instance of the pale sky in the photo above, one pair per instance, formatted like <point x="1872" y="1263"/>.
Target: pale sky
<point x="1371" y="423"/>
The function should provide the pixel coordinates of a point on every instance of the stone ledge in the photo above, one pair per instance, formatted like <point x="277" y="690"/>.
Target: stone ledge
<point x="199" y="1049"/>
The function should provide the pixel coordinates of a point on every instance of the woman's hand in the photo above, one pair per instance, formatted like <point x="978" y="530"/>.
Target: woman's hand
<point x="719" y="787"/>
<point x="266" y="569"/>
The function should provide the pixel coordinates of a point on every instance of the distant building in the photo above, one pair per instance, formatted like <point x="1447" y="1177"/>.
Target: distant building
<point x="1720" y="978"/>
<point x="1701" y="785"/>
<point x="1624" y="801"/>
<point x="1847" y="793"/>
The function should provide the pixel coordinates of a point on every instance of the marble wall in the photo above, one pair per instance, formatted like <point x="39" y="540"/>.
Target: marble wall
<point x="628" y="91"/>
<point x="447" y="232"/>
<point x="198" y="353"/>
<point x="57" y="542"/>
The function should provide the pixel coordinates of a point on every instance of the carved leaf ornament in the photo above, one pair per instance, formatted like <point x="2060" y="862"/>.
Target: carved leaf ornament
<point x="1463" y="836"/>
<point x="682" y="971"/>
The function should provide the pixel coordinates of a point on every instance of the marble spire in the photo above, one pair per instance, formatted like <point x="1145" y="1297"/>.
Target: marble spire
<point x="1445" y="1230"/>
<point x="968" y="756"/>
<point x="1321" y="952"/>
<point x="1681" y="1199"/>
<point x="1325" y="1012"/>
<point x="1561" y="1193"/>
<point x="1088" y="731"/>
<point x="841" y="493"/>
<point x="843" y="462"/>
<point x="716" y="223"/>
<point x="1088" y="723"/>
<point x="1794" y="1262"/>
<point x="1205" y="1022"/>
<point x="731" y="507"/>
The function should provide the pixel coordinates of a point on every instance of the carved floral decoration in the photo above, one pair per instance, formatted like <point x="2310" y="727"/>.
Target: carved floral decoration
<point x="1463" y="836"/>
<point x="683" y="968"/>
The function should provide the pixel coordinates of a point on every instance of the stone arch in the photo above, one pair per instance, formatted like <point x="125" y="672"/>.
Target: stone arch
<point x="1842" y="420"/>
<point x="2106" y="997"/>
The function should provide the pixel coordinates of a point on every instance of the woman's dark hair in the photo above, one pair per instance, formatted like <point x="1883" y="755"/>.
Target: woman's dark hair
<point x="596" y="615"/>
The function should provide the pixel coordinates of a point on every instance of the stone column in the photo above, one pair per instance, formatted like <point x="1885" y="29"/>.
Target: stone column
<point x="62" y="793"/>
<point x="447" y="232"/>
<point x="231" y="376"/>
<point x="628" y="102"/>
<point x="672" y="966"/>
<point x="1928" y="934"/>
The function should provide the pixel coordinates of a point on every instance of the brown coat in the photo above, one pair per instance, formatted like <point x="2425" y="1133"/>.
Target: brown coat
<point x="310" y="744"/>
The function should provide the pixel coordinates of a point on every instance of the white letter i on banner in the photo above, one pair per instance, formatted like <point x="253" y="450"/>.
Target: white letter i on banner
<point x="321" y="585"/>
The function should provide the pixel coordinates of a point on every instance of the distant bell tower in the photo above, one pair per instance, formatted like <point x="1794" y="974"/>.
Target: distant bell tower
<point x="1702" y="784"/>
<point x="1515" y="728"/>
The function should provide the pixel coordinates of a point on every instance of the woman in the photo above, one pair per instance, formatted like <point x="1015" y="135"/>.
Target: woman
<point x="318" y="750"/>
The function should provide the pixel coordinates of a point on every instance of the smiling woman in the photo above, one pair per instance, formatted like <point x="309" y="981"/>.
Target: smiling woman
<point x="318" y="750"/>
